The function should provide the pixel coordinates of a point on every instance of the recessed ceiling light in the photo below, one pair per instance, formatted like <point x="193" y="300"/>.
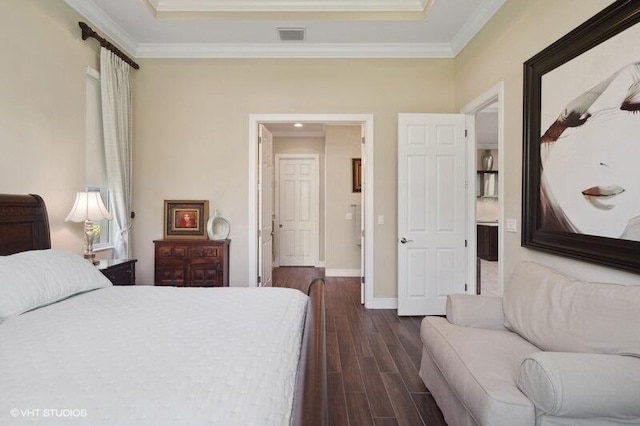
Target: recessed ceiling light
<point x="298" y="125"/>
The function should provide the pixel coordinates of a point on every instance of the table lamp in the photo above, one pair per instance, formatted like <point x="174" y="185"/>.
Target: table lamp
<point x="88" y="208"/>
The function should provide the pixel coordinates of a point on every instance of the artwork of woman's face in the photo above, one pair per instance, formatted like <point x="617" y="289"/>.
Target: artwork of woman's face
<point x="185" y="219"/>
<point x="590" y="164"/>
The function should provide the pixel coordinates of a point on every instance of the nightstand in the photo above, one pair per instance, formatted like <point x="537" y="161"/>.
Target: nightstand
<point x="119" y="271"/>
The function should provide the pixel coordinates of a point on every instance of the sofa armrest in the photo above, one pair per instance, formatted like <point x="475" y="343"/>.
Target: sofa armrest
<point x="582" y="385"/>
<point x="468" y="310"/>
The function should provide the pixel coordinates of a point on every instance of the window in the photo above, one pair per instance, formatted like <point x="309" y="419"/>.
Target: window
<point x="96" y="170"/>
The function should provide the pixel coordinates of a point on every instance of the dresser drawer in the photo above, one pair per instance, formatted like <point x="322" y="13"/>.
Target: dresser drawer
<point x="171" y="276"/>
<point x="166" y="251"/>
<point x="206" y="275"/>
<point x="205" y="251"/>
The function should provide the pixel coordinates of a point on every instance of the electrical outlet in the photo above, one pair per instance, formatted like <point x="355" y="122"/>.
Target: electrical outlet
<point x="348" y="216"/>
<point x="512" y="225"/>
<point x="380" y="220"/>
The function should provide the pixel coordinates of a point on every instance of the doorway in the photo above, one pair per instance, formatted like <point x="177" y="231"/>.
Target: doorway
<point x="486" y="202"/>
<point x="366" y="122"/>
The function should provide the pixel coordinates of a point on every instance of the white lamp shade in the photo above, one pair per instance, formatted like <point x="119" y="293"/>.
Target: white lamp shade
<point x="88" y="206"/>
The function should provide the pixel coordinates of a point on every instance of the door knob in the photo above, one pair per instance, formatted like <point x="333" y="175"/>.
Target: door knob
<point x="403" y="240"/>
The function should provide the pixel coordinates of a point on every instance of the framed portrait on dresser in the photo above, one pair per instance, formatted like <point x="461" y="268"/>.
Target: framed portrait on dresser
<point x="185" y="219"/>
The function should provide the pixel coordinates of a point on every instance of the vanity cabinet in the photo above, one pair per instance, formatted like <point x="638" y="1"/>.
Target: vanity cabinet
<point x="487" y="238"/>
<point x="192" y="263"/>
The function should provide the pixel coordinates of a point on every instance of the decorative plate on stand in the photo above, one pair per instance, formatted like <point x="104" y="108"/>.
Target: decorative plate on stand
<point x="218" y="228"/>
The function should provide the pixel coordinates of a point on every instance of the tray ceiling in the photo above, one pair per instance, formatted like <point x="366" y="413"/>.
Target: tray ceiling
<point x="288" y="5"/>
<point x="249" y="28"/>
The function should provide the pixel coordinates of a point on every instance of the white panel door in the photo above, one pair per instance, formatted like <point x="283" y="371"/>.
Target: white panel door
<point x="298" y="214"/>
<point x="265" y="207"/>
<point x="431" y="211"/>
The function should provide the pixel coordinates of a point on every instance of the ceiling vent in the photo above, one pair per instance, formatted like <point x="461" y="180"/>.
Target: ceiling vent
<point x="291" y="34"/>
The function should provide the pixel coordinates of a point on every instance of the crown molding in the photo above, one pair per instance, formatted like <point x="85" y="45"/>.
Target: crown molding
<point x="88" y="10"/>
<point x="91" y="12"/>
<point x="478" y="20"/>
<point x="298" y="50"/>
<point x="289" y="5"/>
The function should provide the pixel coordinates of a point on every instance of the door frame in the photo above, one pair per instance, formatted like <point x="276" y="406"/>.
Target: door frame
<point x="496" y="93"/>
<point x="366" y="120"/>
<point x="263" y="281"/>
<point x="276" y="201"/>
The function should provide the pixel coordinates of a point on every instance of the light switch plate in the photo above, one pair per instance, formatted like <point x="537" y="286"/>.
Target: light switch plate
<point x="380" y="220"/>
<point x="512" y="225"/>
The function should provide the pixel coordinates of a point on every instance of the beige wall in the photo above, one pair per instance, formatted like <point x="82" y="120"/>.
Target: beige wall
<point x="190" y="125"/>
<point x="42" y="108"/>
<point x="307" y="146"/>
<point x="343" y="143"/>
<point x="191" y="121"/>
<point x="517" y="32"/>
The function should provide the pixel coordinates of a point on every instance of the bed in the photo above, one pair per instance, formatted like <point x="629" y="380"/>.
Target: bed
<point x="103" y="354"/>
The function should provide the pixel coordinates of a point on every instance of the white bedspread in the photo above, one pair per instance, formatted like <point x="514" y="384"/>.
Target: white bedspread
<point x="154" y="356"/>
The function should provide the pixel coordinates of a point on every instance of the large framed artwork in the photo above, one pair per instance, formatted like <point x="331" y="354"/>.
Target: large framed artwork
<point x="581" y="161"/>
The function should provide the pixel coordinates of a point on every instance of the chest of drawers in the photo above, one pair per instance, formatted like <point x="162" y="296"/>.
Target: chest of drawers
<point x="192" y="263"/>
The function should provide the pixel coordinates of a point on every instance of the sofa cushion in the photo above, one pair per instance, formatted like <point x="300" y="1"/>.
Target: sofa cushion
<point x="562" y="314"/>
<point x="481" y="367"/>
<point x="473" y="310"/>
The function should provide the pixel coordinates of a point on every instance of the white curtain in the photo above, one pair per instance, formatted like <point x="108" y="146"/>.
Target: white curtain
<point x="116" y="117"/>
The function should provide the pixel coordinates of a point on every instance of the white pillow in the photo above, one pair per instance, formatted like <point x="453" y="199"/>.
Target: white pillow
<point x="36" y="278"/>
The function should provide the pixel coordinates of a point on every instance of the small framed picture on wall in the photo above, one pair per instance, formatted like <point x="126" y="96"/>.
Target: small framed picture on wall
<point x="185" y="219"/>
<point x="356" y="174"/>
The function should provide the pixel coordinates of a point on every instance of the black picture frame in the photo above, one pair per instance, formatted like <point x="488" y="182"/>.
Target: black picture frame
<point x="618" y="253"/>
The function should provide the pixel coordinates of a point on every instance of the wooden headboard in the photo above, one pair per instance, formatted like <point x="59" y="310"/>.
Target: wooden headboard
<point x="24" y="224"/>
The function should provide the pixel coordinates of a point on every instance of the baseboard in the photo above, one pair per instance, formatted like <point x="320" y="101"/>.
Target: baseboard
<point x="342" y="272"/>
<point x="385" y="303"/>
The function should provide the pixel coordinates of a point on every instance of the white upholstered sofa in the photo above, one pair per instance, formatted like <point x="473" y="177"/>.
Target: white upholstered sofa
<point x="552" y="351"/>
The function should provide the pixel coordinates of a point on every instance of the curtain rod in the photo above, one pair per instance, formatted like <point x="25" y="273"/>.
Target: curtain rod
<point x="88" y="32"/>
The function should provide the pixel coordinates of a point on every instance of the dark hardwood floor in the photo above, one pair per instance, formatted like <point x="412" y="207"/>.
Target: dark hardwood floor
<point x="373" y="357"/>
